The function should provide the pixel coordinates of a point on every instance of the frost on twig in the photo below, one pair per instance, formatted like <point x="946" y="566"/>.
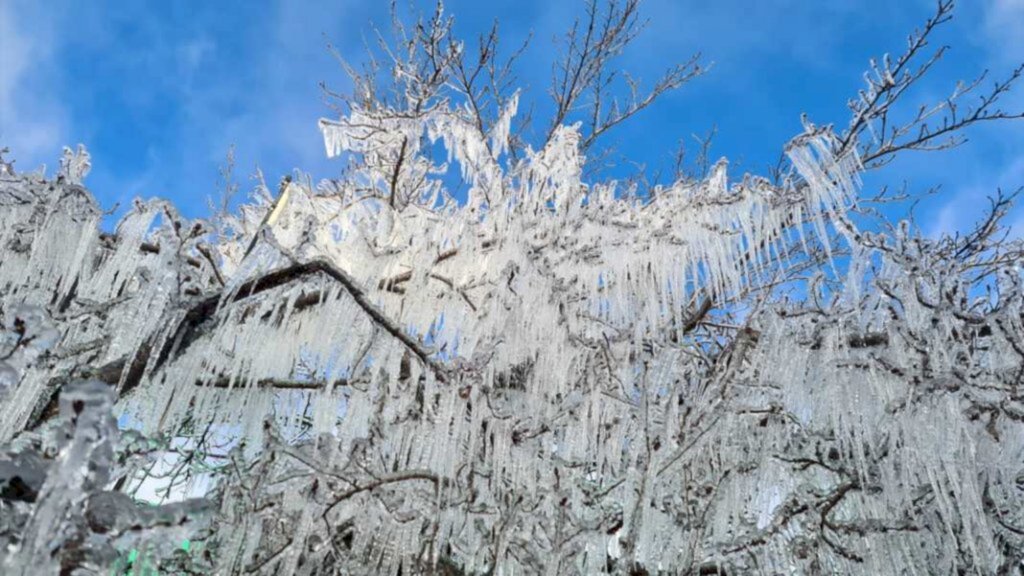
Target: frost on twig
<point x="57" y="510"/>
<point x="75" y="165"/>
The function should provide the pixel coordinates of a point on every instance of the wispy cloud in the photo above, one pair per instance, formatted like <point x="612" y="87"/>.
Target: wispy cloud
<point x="33" y="121"/>
<point x="999" y="164"/>
<point x="969" y="203"/>
<point x="159" y="93"/>
<point x="1004" y="23"/>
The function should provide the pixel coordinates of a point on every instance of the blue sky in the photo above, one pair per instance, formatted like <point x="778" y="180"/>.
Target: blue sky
<point x="158" y="91"/>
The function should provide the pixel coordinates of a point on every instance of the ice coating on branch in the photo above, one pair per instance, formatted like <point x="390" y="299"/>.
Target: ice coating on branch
<point x="56" y="496"/>
<point x="27" y="333"/>
<point x="888" y="445"/>
<point x="75" y="164"/>
<point x="383" y="380"/>
<point x="706" y="231"/>
<point x="81" y="467"/>
<point x="105" y="292"/>
<point x="501" y="131"/>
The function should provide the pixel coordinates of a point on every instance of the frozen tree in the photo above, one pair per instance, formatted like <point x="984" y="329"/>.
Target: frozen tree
<point x="559" y="374"/>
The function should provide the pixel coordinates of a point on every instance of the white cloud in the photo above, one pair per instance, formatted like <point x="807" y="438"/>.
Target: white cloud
<point x="190" y="56"/>
<point x="970" y="203"/>
<point x="1004" y="23"/>
<point x="14" y="54"/>
<point x="998" y="164"/>
<point x="277" y="126"/>
<point x="32" y="121"/>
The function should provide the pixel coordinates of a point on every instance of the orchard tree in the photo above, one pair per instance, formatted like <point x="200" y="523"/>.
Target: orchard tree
<point x="558" y="373"/>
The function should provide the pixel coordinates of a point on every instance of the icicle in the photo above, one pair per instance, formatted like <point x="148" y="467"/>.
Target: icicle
<point x="75" y="165"/>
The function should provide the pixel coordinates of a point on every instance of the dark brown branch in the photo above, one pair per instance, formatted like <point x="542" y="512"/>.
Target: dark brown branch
<point x="868" y="340"/>
<point x="381" y="481"/>
<point x="205" y="251"/>
<point x="192" y="324"/>
<point x="275" y="383"/>
<point x="698" y="315"/>
<point x="398" y="169"/>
